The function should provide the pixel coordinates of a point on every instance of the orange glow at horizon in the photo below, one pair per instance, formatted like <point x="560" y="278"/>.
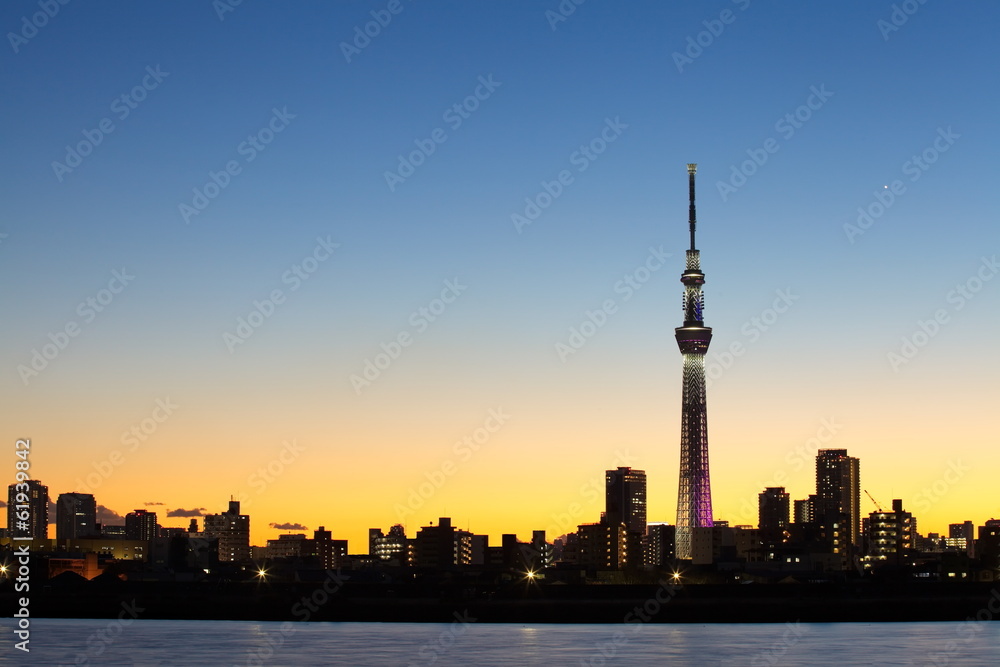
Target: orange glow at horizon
<point x="542" y="467"/>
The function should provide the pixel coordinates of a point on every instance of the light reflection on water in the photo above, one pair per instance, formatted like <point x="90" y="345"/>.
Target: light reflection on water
<point x="243" y="643"/>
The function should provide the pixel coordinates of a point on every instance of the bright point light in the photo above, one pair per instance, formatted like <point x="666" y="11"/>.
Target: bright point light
<point x="261" y="573"/>
<point x="530" y="574"/>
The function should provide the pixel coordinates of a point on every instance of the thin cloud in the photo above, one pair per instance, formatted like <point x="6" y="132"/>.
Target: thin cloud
<point x="288" y="526"/>
<point x="197" y="511"/>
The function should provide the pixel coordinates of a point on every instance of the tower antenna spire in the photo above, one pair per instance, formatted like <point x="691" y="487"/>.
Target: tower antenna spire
<point x="692" y="218"/>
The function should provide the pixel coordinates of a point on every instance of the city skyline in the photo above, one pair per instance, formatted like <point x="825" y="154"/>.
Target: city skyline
<point x="836" y="499"/>
<point x="247" y="287"/>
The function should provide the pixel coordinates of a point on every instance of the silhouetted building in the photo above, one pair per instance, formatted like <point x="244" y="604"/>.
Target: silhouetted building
<point x="388" y="547"/>
<point x="625" y="498"/>
<point x="967" y="532"/>
<point x="838" y="500"/>
<point x="331" y="553"/>
<point x="113" y="531"/>
<point x="28" y="510"/>
<point x="658" y="544"/>
<point x="890" y="535"/>
<point x="539" y="554"/>
<point x="601" y="546"/>
<point x="772" y="513"/>
<point x="988" y="546"/>
<point x="442" y="546"/>
<point x="141" y="525"/>
<point x="76" y="516"/>
<point x="802" y="512"/>
<point x="483" y="554"/>
<point x="117" y="549"/>
<point x="168" y="532"/>
<point x="86" y="566"/>
<point x="290" y="545"/>
<point x="233" y="531"/>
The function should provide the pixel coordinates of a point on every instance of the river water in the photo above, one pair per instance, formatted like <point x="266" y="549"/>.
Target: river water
<point x="138" y="643"/>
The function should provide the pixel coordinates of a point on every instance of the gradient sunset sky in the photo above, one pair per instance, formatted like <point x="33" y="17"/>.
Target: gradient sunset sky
<point x="801" y="117"/>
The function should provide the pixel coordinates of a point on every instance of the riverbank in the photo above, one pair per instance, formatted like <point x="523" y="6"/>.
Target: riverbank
<point x="527" y="603"/>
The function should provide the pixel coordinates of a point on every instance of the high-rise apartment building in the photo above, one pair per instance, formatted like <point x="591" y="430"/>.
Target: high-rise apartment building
<point x="965" y="531"/>
<point x="233" y="531"/>
<point x="625" y="499"/>
<point x="76" y="516"/>
<point x="442" y="546"/>
<point x="141" y="525"/>
<point x="773" y="513"/>
<point x="603" y="546"/>
<point x="658" y="544"/>
<point x="838" y="499"/>
<point x="28" y="510"/>
<point x="802" y="512"/>
<point x="890" y="535"/>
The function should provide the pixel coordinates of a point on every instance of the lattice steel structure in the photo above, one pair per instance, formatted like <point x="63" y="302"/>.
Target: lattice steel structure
<point x="694" y="489"/>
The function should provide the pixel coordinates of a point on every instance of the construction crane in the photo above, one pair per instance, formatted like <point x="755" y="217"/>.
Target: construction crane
<point x="874" y="501"/>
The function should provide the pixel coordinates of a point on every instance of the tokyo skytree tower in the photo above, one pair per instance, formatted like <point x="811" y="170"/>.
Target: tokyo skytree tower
<point x="694" y="489"/>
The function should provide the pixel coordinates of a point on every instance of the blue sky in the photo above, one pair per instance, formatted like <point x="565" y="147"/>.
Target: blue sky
<point x="888" y="96"/>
